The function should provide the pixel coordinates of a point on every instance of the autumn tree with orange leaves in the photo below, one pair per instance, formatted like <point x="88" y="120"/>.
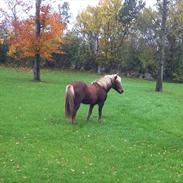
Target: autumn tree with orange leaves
<point x="24" y="41"/>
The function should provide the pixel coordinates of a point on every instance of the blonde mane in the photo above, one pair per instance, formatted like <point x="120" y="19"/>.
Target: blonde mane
<point x="106" y="81"/>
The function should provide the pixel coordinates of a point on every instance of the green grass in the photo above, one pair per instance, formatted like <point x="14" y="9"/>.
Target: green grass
<point x="139" y="141"/>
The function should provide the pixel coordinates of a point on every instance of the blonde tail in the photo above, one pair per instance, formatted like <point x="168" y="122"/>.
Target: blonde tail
<point x="69" y="101"/>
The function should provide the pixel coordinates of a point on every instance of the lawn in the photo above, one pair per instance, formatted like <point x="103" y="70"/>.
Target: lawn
<point x="139" y="141"/>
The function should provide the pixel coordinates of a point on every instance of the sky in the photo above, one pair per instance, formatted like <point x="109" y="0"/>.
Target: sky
<point x="76" y="6"/>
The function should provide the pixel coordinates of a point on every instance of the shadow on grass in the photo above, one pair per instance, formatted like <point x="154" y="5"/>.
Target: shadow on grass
<point x="59" y="120"/>
<point x="29" y="80"/>
<point x="18" y="80"/>
<point x="80" y="122"/>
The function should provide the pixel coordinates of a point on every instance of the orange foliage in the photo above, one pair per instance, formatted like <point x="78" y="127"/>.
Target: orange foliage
<point x="23" y="39"/>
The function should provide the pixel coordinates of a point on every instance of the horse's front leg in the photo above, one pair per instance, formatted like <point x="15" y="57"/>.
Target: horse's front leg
<point x="100" y="106"/>
<point x="90" y="111"/>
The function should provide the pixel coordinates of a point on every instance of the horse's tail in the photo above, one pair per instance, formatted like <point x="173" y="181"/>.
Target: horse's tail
<point x="69" y="101"/>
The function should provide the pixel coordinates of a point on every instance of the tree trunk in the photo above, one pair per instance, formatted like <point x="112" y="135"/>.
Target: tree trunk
<point x="36" y="66"/>
<point x="99" y="69"/>
<point x="159" y="82"/>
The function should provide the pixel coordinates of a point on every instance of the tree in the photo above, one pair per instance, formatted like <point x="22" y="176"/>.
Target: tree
<point x="163" y="9"/>
<point x="3" y="41"/>
<point x="99" y="27"/>
<point x="89" y="24"/>
<point x="145" y="40"/>
<point x="64" y="12"/>
<point x="17" y="10"/>
<point x="105" y="27"/>
<point x="129" y="13"/>
<point x="174" y="51"/>
<point x="36" y="67"/>
<point x="40" y="44"/>
<point x="71" y="49"/>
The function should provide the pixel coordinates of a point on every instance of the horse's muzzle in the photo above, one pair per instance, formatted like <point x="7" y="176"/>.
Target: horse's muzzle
<point x="121" y="91"/>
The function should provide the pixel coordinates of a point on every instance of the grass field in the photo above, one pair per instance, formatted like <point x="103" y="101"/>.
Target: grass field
<point x="139" y="141"/>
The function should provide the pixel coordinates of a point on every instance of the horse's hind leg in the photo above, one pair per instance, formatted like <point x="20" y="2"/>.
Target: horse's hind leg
<point x="74" y="113"/>
<point x="100" y="106"/>
<point x="90" y="111"/>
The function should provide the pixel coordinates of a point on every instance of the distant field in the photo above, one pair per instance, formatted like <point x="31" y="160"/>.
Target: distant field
<point x="139" y="141"/>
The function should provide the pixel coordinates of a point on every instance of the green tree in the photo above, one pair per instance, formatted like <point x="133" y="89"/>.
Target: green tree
<point x="174" y="53"/>
<point x="146" y="39"/>
<point x="71" y="50"/>
<point x="163" y="7"/>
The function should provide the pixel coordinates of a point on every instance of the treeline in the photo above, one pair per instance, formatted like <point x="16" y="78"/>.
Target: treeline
<point x="121" y="37"/>
<point x="125" y="38"/>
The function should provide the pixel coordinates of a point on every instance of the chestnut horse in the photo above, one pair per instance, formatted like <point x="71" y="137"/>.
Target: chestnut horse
<point x="95" y="93"/>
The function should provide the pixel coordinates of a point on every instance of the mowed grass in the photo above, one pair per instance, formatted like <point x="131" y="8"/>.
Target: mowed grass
<point x="139" y="141"/>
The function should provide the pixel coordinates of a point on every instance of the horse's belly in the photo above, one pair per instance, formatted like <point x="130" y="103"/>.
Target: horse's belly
<point x="90" y="100"/>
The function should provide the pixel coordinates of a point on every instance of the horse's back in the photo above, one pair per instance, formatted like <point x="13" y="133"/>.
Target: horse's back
<point x="79" y="90"/>
<point x="88" y="93"/>
<point x="78" y="85"/>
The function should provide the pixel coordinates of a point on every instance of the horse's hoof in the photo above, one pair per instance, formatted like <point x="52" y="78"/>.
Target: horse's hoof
<point x="73" y="122"/>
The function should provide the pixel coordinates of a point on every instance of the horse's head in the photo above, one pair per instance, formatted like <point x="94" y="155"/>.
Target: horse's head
<point x="116" y="83"/>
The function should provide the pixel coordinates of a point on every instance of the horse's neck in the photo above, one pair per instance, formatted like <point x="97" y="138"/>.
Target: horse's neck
<point x="105" y="83"/>
<point x="108" y="88"/>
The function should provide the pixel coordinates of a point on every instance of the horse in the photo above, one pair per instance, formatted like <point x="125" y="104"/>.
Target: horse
<point x="95" y="93"/>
